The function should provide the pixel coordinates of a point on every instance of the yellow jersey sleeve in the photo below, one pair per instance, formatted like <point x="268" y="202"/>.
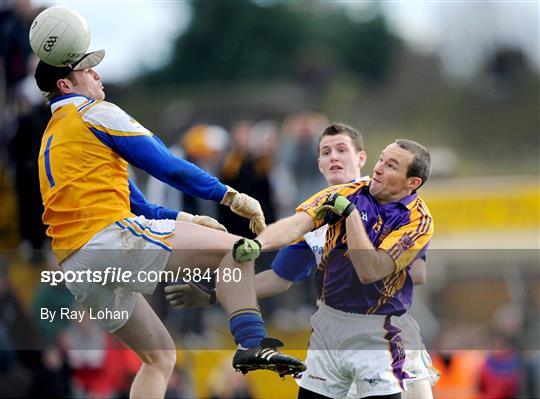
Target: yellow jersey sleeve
<point x="404" y="244"/>
<point x="316" y="200"/>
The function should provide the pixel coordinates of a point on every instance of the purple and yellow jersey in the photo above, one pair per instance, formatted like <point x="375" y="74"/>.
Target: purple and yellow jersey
<point x="83" y="172"/>
<point x="403" y="229"/>
<point x="297" y="261"/>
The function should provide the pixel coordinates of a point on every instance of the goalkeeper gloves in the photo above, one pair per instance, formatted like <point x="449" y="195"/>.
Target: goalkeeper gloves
<point x="189" y="295"/>
<point x="337" y="204"/>
<point x="246" y="250"/>
<point x="206" y="221"/>
<point x="245" y="206"/>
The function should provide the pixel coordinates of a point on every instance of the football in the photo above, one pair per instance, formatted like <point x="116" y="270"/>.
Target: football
<point x="59" y="36"/>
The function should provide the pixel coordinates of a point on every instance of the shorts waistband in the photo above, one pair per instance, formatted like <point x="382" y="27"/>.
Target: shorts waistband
<point x="350" y="317"/>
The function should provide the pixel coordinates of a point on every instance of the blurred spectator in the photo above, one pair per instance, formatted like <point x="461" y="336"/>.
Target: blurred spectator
<point x="7" y="354"/>
<point x="14" y="44"/>
<point x="16" y="341"/>
<point x="204" y="145"/>
<point x="101" y="366"/>
<point x="246" y="168"/>
<point x="264" y="145"/>
<point x="24" y="150"/>
<point x="15" y="20"/>
<point x="53" y="298"/>
<point x="52" y="378"/>
<point x="500" y="374"/>
<point x="459" y="370"/>
<point x="458" y="362"/>
<point x="299" y="152"/>
<point x="14" y="318"/>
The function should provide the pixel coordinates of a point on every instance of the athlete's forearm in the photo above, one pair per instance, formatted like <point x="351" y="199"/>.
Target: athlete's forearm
<point x="286" y="231"/>
<point x="370" y="264"/>
<point x="268" y="283"/>
<point x="149" y="154"/>
<point x="418" y="272"/>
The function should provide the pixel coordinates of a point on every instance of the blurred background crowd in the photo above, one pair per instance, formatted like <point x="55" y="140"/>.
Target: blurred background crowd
<point x="244" y="93"/>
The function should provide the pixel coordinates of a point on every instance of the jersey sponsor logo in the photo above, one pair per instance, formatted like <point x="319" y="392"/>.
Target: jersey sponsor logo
<point x="49" y="43"/>
<point x="317" y="249"/>
<point x="373" y="380"/>
<point x="315" y="377"/>
<point x="363" y="216"/>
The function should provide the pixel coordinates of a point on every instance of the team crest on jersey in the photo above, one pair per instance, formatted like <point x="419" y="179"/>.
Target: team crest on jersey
<point x="378" y="224"/>
<point x="406" y="242"/>
<point x="386" y="230"/>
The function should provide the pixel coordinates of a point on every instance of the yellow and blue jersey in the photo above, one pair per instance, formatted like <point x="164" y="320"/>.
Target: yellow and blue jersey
<point x="403" y="229"/>
<point x="83" y="171"/>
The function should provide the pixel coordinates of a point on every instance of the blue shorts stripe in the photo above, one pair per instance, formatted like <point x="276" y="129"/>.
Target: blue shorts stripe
<point x="158" y="233"/>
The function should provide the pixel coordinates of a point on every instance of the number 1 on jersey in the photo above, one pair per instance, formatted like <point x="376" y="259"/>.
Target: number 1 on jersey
<point x="48" y="162"/>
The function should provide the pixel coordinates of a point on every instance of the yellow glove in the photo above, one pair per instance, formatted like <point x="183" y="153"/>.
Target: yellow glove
<point x="206" y="221"/>
<point x="245" y="206"/>
<point x="257" y="224"/>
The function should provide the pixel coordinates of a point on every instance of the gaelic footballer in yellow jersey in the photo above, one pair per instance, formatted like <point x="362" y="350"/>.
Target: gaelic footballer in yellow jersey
<point x="84" y="183"/>
<point x="97" y="218"/>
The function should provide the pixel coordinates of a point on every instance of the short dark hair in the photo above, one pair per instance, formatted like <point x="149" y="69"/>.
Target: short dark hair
<point x="56" y="91"/>
<point x="421" y="164"/>
<point x="341" y="128"/>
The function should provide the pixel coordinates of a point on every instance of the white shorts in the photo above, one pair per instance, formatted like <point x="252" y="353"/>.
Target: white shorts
<point x="137" y="245"/>
<point x="418" y="364"/>
<point x="354" y="355"/>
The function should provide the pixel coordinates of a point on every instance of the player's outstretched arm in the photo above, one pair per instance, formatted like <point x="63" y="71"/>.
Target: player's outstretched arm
<point x="140" y="206"/>
<point x="141" y="148"/>
<point x="277" y="235"/>
<point x="286" y="231"/>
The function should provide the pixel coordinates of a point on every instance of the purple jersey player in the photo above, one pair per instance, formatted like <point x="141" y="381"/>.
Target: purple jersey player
<point x="376" y="229"/>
